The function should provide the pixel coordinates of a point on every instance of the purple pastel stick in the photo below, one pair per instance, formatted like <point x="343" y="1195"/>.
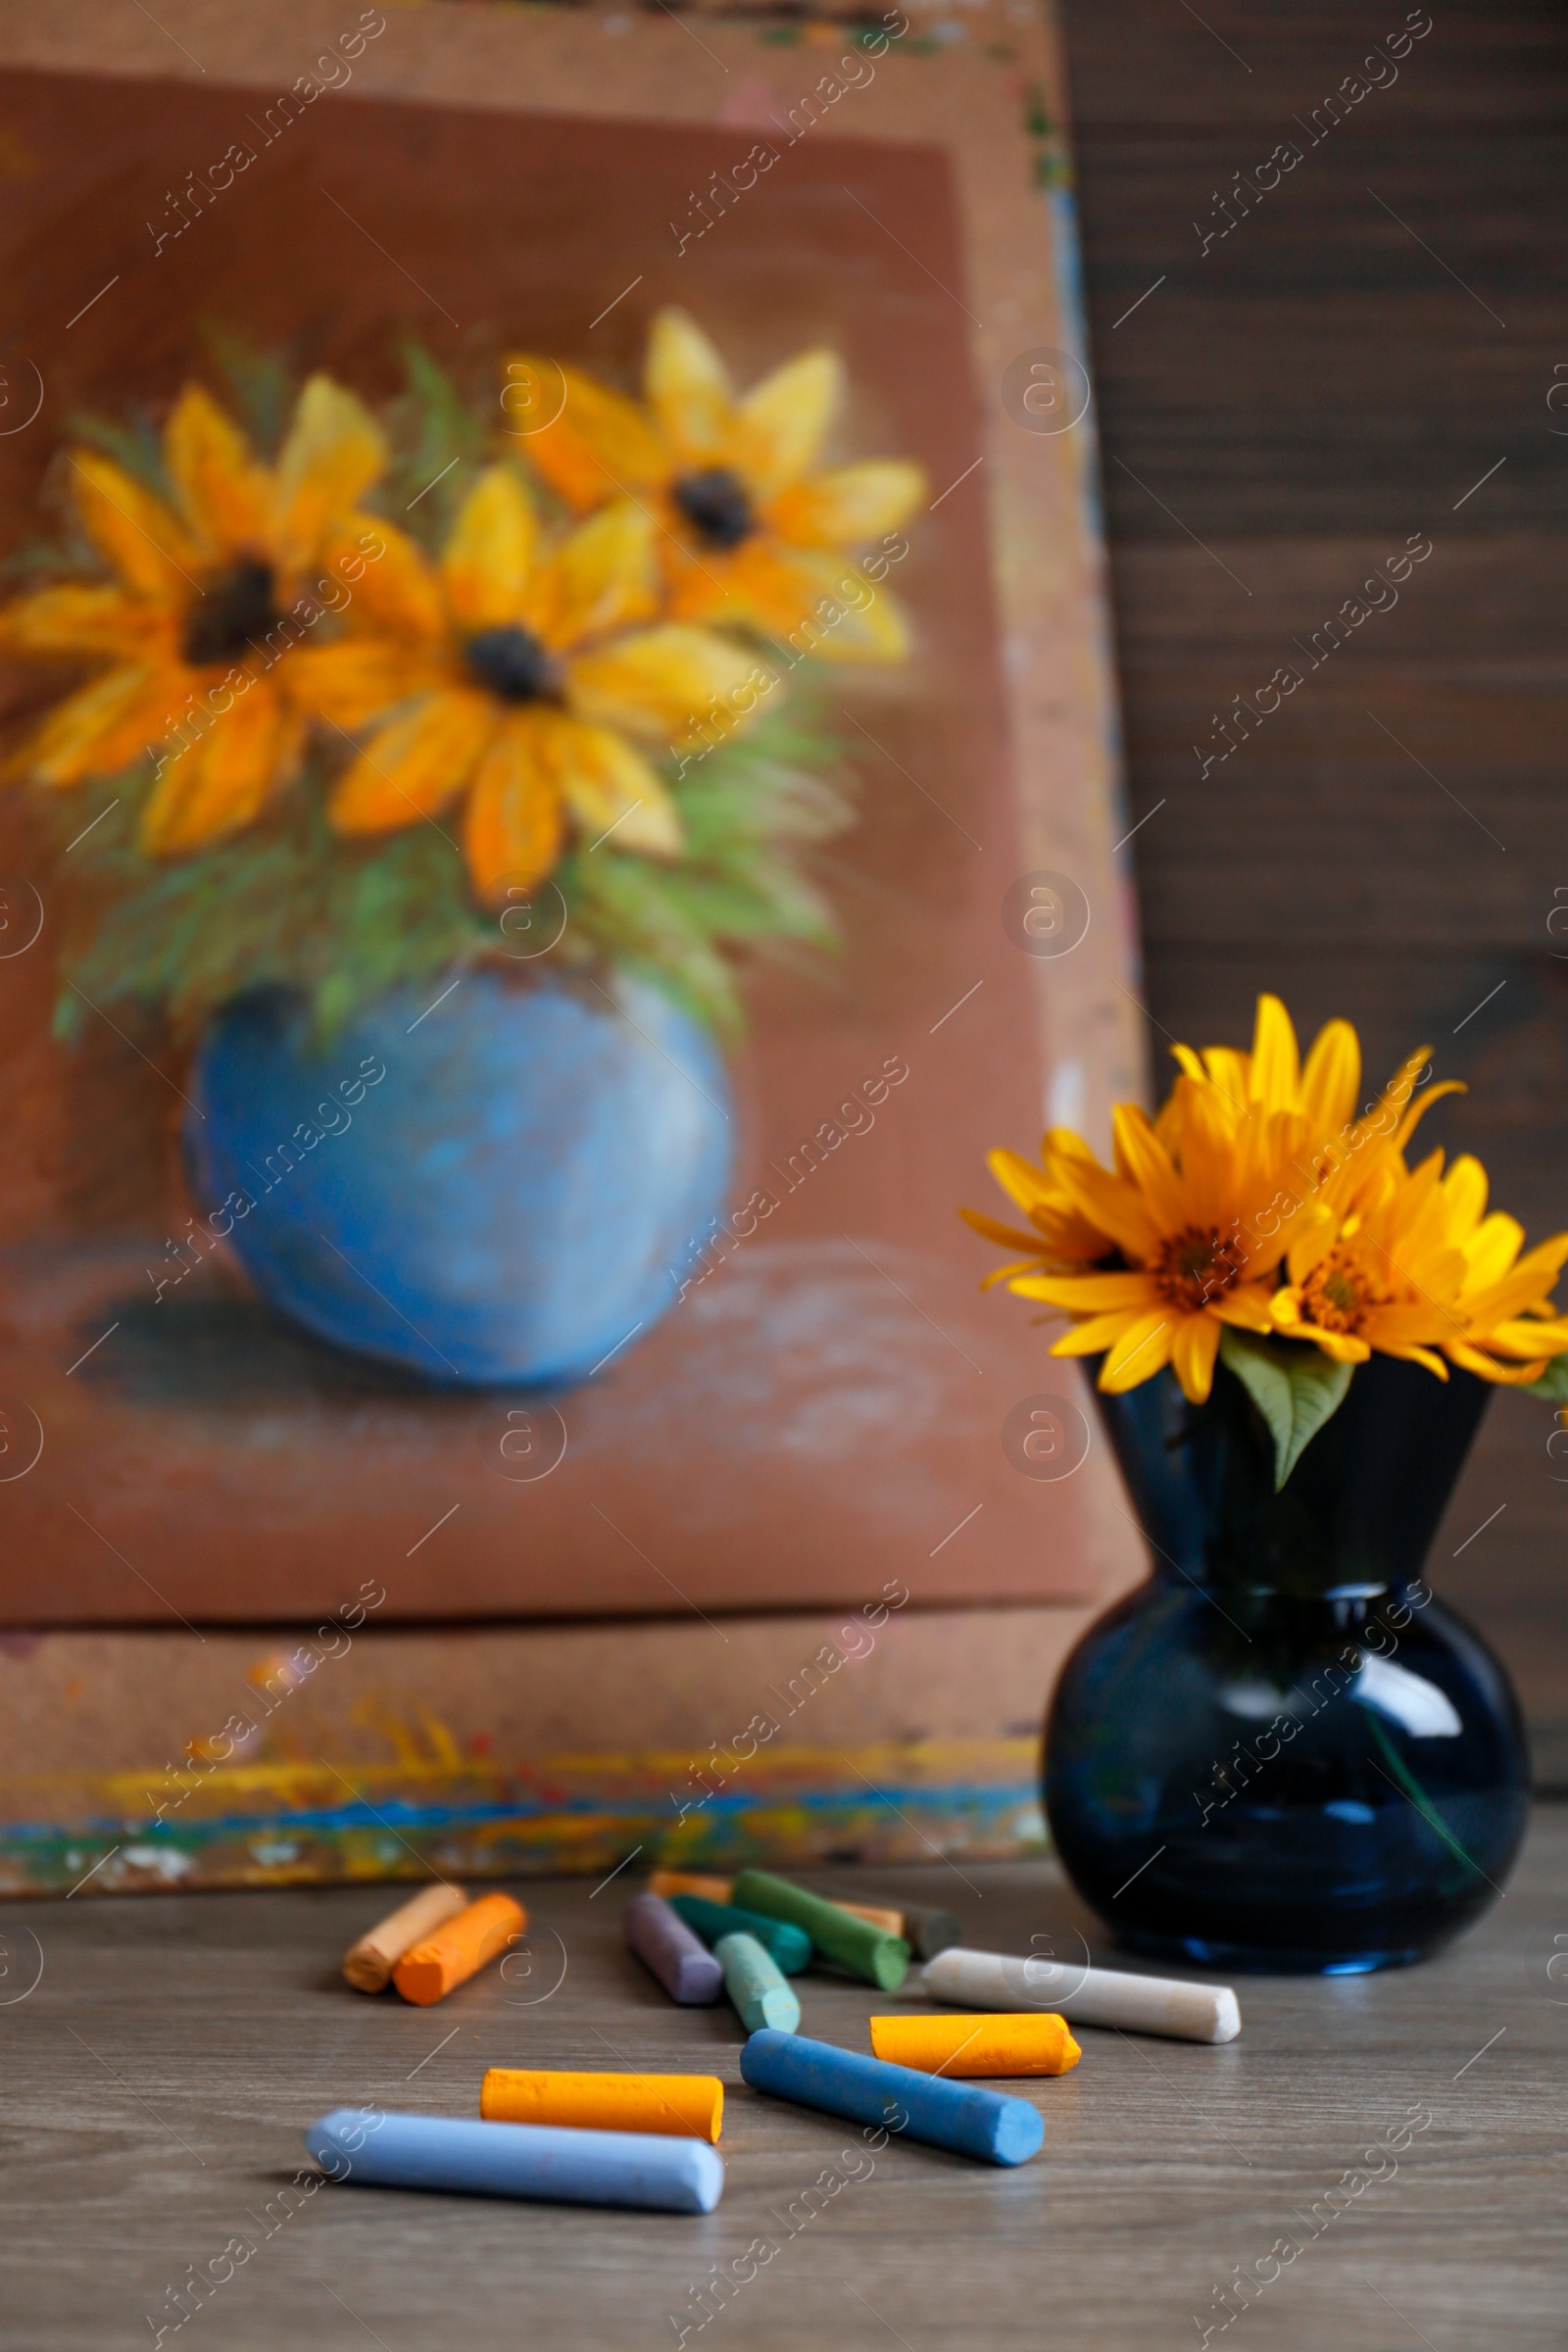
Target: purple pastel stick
<point x="666" y="1945"/>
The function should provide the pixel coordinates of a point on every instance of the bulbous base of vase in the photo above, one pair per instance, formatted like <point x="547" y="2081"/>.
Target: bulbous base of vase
<point x="1261" y="1783"/>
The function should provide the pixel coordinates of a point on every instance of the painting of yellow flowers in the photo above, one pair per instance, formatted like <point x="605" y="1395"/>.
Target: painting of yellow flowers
<point x="516" y="732"/>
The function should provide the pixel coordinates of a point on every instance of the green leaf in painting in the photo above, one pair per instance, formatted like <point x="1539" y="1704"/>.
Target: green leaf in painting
<point x="1295" y="1387"/>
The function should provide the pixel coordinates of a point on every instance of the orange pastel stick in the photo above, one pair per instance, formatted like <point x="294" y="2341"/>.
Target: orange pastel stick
<point x="717" y="1890"/>
<point x="459" y="1950"/>
<point x="688" y="2106"/>
<point x="690" y="1882"/>
<point x="1035" y="2042"/>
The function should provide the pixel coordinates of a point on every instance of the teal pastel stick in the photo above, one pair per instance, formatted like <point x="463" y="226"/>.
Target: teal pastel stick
<point x="518" y="2160"/>
<point x="961" y="2115"/>
<point x="756" y="1986"/>
<point x="789" y="1946"/>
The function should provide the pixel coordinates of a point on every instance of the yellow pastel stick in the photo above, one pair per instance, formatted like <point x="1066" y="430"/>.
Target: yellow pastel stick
<point x="687" y="2106"/>
<point x="1031" y="2043"/>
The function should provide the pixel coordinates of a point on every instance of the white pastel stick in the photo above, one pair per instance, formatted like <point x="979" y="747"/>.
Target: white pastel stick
<point x="1085" y="1997"/>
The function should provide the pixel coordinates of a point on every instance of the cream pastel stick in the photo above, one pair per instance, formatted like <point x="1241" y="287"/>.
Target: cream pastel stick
<point x="369" y="1964"/>
<point x="1087" y="1996"/>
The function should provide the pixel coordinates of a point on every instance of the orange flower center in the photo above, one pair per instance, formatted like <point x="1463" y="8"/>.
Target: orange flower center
<point x="233" y="613"/>
<point x="1336" y="1294"/>
<point x="718" y="505"/>
<point x="512" y="665"/>
<point x="1196" y="1267"/>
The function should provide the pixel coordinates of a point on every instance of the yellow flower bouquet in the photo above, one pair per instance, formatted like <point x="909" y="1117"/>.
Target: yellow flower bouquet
<point x="445" y="740"/>
<point x="362" y="687"/>
<point x="1262" y="1222"/>
<point x="1281" y="1753"/>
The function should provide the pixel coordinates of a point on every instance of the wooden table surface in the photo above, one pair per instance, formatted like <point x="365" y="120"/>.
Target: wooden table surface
<point x="157" y="2078"/>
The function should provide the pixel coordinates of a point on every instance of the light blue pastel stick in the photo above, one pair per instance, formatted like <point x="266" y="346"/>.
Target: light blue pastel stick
<point x="518" y="2160"/>
<point x="755" y="1983"/>
<point x="961" y="2115"/>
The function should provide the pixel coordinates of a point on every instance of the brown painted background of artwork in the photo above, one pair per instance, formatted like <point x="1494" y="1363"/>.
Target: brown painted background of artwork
<point x="827" y="1409"/>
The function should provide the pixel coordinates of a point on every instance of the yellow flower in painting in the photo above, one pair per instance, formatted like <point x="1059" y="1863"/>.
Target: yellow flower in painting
<point x="752" y="535"/>
<point x="194" y="636"/>
<point x="1417" y="1269"/>
<point x="517" y="676"/>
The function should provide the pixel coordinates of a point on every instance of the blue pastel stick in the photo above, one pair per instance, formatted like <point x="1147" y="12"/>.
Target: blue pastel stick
<point x="518" y="2160"/>
<point x="666" y="1945"/>
<point x="961" y="2116"/>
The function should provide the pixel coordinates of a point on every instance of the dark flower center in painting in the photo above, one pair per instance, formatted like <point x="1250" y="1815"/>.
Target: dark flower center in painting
<point x="718" y="504"/>
<point x="514" y="665"/>
<point x="235" y="613"/>
<point x="1198" y="1265"/>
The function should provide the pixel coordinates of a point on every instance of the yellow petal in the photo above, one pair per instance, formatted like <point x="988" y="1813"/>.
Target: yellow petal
<point x="335" y="452"/>
<point x="101" y="729"/>
<point x="416" y="765"/>
<point x="688" y="389"/>
<point x="602" y="577"/>
<point x="222" y="782"/>
<point x="1096" y="1294"/>
<point x="1192" y="1353"/>
<point x="1090" y="1338"/>
<point x="490" y="555"/>
<point x="782" y="423"/>
<point x="1332" y="1079"/>
<point x="1276" y="1075"/>
<point x="136" y="533"/>
<point x="511" y="829"/>
<point x="1007" y="1235"/>
<point x="352" y="682"/>
<point x="78" y="620"/>
<point x="854" y="503"/>
<point x="610" y="789"/>
<point x="674" y="685"/>
<point x="227" y="497"/>
<point x="594" y="445"/>
<point x="397" y="589"/>
<point x="1142" y="1351"/>
<point x="812" y="602"/>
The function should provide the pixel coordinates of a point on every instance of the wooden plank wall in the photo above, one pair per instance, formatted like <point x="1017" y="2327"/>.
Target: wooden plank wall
<point x="1368" y="353"/>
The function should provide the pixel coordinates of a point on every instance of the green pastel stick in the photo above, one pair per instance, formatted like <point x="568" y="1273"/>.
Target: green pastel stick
<point x="755" y="1986"/>
<point x="882" y="1959"/>
<point x="790" y="1947"/>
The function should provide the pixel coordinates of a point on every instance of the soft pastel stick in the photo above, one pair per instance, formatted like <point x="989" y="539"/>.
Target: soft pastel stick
<point x="369" y="1964"/>
<point x="667" y="1946"/>
<point x="882" y="1959"/>
<point x="686" y="2106"/>
<point x="755" y="1986"/>
<point x="790" y="1947"/>
<point x="518" y="2160"/>
<point x="721" y="1891"/>
<point x="949" y="2115"/>
<point x="460" y="1949"/>
<point x="1085" y="1996"/>
<point x="928" y="1932"/>
<point x="968" y="2047"/>
<point x="689" y="1882"/>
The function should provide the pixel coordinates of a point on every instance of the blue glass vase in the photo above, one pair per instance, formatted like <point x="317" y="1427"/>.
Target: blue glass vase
<point x="1281" y="1753"/>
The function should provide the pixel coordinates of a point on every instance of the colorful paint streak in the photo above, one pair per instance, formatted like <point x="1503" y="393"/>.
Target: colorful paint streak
<point x="325" y="1822"/>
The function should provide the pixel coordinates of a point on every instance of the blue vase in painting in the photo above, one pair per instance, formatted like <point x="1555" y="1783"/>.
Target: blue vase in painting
<point x="498" y="1183"/>
<point x="1281" y="1753"/>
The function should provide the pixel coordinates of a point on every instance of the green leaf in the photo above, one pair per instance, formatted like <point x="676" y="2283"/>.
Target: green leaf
<point x="1553" y="1382"/>
<point x="1294" y="1386"/>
